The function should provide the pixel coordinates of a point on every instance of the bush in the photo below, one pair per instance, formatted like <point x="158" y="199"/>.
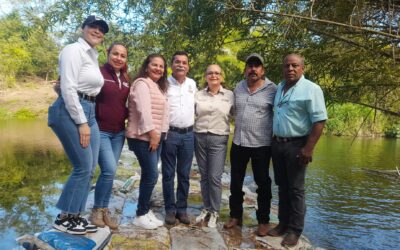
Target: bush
<point x="392" y="131"/>
<point x="24" y="114"/>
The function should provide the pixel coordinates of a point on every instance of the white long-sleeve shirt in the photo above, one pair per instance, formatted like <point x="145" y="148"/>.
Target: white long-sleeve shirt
<point x="79" y="72"/>
<point x="181" y="102"/>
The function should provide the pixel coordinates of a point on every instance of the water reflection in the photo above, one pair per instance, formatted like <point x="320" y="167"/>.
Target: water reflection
<point x="347" y="207"/>
<point x="31" y="165"/>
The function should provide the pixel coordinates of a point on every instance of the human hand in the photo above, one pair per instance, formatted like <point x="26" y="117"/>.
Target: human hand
<point x="154" y="140"/>
<point x="57" y="87"/>
<point x="84" y="134"/>
<point x="305" y="156"/>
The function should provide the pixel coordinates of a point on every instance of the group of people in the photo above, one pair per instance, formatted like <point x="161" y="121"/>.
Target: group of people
<point x="168" y="118"/>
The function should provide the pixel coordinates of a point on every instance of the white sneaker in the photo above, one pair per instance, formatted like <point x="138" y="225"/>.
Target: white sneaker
<point x="69" y="225"/>
<point x="154" y="219"/>
<point x="202" y="215"/>
<point x="144" y="222"/>
<point x="213" y="219"/>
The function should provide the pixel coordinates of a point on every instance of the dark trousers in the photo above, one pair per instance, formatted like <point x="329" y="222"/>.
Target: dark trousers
<point x="176" y="156"/>
<point x="290" y="178"/>
<point x="260" y="158"/>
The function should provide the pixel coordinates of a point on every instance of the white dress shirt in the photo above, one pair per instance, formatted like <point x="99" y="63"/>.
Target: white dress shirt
<point x="79" y="72"/>
<point x="181" y="102"/>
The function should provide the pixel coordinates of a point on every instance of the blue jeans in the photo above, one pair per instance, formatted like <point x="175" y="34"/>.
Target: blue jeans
<point x="110" y="150"/>
<point x="75" y="192"/>
<point x="177" y="153"/>
<point x="148" y="163"/>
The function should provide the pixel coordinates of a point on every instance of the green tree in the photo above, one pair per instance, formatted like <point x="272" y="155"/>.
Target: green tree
<point x="25" y="49"/>
<point x="351" y="46"/>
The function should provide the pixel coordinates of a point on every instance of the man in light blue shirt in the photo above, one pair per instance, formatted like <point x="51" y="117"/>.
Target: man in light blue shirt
<point x="299" y="118"/>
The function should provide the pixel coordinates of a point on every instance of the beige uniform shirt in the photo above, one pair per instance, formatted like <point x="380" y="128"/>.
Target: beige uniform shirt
<point x="212" y="112"/>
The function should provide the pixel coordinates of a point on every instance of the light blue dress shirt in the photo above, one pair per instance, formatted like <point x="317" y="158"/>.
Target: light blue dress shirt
<point x="297" y="109"/>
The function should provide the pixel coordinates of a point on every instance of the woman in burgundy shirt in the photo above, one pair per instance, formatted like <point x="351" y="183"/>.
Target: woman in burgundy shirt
<point x="111" y="112"/>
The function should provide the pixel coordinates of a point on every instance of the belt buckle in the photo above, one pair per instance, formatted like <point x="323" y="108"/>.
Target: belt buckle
<point x="87" y="97"/>
<point x="281" y="139"/>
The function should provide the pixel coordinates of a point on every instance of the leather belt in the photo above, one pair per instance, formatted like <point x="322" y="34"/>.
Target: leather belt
<point x="87" y="97"/>
<point x="288" y="139"/>
<point x="181" y="130"/>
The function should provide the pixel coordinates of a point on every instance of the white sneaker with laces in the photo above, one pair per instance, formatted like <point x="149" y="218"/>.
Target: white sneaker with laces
<point x="154" y="219"/>
<point x="213" y="219"/>
<point x="144" y="222"/>
<point x="202" y="215"/>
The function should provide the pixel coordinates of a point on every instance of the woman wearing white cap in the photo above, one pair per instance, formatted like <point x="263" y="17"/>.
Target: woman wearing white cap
<point x="72" y="118"/>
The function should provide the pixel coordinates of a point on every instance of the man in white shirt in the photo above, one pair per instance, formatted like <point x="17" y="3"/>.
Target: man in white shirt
<point x="177" y="149"/>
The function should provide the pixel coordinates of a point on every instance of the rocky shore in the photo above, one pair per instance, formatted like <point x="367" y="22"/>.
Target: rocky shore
<point x="195" y="236"/>
<point x="179" y="236"/>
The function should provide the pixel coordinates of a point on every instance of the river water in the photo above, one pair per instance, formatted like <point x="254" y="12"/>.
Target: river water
<point x="347" y="207"/>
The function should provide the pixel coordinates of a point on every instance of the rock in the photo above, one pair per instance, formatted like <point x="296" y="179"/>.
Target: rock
<point x="132" y="237"/>
<point x="226" y="180"/>
<point x="275" y="243"/>
<point x="183" y="237"/>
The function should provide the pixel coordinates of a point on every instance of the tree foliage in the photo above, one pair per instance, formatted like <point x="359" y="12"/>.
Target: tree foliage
<point x="351" y="46"/>
<point x="25" y="49"/>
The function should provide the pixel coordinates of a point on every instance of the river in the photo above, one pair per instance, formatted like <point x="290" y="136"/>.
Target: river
<point x="347" y="207"/>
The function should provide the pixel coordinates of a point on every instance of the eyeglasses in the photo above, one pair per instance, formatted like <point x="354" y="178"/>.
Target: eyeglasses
<point x="213" y="73"/>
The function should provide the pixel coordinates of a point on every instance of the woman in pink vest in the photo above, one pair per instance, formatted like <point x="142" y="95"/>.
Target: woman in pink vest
<point x="147" y="127"/>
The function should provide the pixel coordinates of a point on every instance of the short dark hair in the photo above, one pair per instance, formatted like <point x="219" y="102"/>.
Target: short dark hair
<point x="162" y="82"/>
<point x="179" y="53"/>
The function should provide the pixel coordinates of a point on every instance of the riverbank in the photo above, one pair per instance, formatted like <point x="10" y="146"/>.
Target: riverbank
<point x="29" y="99"/>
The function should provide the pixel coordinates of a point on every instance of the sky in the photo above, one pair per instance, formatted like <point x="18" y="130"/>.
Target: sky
<point x="5" y="7"/>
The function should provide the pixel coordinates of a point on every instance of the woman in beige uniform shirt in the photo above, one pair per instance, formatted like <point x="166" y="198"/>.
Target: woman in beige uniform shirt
<point x="213" y="108"/>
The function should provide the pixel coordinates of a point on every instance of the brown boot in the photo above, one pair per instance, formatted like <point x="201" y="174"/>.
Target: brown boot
<point x="263" y="229"/>
<point x="233" y="222"/>
<point x="96" y="217"/>
<point x="108" y="220"/>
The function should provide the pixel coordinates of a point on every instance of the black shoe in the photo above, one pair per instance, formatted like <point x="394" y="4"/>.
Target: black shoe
<point x="90" y="228"/>
<point x="170" y="218"/>
<point x="290" y="240"/>
<point x="68" y="225"/>
<point x="183" y="218"/>
<point x="278" y="230"/>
